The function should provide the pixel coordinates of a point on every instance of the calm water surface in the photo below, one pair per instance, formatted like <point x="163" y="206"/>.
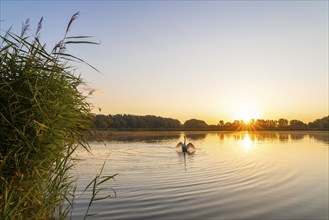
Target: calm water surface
<point x="240" y="175"/>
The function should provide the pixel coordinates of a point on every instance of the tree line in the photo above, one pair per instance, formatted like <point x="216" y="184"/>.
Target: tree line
<point x="124" y="122"/>
<point x="151" y="122"/>
<point x="281" y="124"/>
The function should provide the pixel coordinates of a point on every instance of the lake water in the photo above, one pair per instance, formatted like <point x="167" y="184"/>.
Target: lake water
<point x="231" y="175"/>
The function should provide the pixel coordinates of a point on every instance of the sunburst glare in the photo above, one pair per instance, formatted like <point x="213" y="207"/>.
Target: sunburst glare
<point x="246" y="111"/>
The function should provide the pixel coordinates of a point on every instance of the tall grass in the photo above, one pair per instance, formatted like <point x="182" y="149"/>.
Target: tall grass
<point x="44" y="118"/>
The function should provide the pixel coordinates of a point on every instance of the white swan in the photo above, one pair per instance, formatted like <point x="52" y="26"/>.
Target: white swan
<point x="185" y="148"/>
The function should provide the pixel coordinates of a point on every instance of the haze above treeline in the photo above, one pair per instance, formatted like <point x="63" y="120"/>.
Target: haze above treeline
<point x="151" y="122"/>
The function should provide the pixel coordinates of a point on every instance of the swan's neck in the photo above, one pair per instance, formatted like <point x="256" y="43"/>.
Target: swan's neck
<point x="184" y="141"/>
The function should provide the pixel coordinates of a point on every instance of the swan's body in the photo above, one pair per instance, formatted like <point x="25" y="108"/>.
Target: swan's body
<point x="185" y="147"/>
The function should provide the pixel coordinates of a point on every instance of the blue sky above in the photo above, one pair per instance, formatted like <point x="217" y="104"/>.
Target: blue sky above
<point x="210" y="60"/>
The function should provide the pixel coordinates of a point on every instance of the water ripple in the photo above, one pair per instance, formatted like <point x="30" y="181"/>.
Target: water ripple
<point x="220" y="181"/>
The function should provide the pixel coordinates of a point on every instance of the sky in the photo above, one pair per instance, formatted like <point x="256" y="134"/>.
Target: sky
<point x="209" y="60"/>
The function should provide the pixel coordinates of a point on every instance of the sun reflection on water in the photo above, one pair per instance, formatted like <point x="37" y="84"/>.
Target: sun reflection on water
<point x="247" y="143"/>
<point x="243" y="169"/>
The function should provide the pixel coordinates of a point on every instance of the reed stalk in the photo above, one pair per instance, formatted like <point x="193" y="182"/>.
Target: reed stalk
<point x="44" y="118"/>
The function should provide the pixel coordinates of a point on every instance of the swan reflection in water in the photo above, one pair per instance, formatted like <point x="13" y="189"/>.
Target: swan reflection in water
<point x="185" y="149"/>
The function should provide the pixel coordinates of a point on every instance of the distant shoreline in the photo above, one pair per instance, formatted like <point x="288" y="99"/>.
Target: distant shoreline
<point x="125" y="122"/>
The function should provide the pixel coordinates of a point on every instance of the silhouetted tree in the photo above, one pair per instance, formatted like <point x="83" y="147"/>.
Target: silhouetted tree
<point x="195" y="124"/>
<point x="321" y="124"/>
<point x="297" y="125"/>
<point x="260" y="124"/>
<point x="283" y="123"/>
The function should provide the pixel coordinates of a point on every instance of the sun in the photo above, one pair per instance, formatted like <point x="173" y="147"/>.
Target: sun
<point x="245" y="116"/>
<point x="246" y="111"/>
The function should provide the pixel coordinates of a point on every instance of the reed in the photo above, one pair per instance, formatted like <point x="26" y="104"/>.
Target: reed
<point x="44" y="118"/>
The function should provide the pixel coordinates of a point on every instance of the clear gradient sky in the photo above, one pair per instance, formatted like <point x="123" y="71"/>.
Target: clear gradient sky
<point x="210" y="60"/>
